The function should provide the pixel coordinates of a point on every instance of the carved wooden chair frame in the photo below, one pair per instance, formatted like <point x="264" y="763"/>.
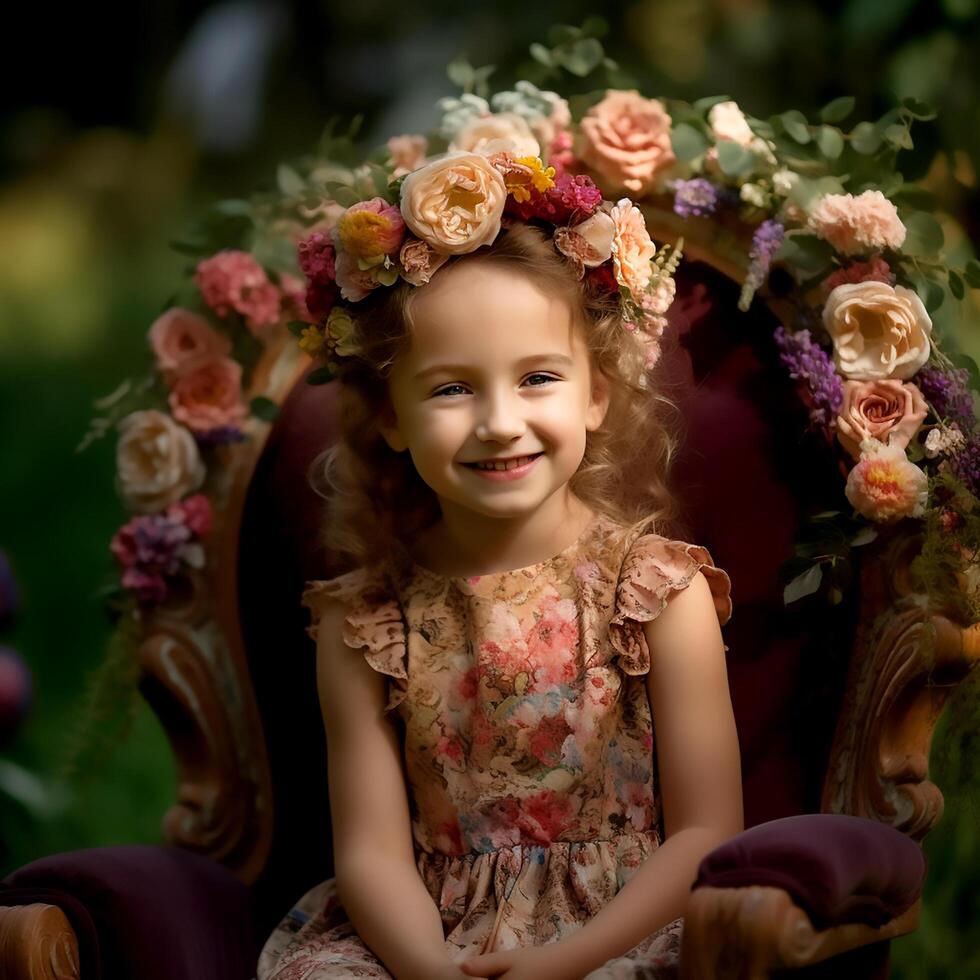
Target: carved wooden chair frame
<point x="195" y="676"/>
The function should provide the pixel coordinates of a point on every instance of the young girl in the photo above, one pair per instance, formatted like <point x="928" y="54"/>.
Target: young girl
<point x="491" y="670"/>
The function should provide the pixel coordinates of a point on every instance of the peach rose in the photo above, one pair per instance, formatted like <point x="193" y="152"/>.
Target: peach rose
<point x="407" y="153"/>
<point x="179" y="334"/>
<point x="884" y="485"/>
<point x="887" y="410"/>
<point x="589" y="243"/>
<point x="627" y="140"/>
<point x="496" y="132"/>
<point x="419" y="262"/>
<point x="157" y="461"/>
<point x="857" y="224"/>
<point x="208" y="393"/>
<point x="632" y="247"/>
<point x="878" y="330"/>
<point x="454" y="203"/>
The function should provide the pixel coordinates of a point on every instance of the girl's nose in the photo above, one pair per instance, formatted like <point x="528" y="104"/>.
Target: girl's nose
<point x="501" y="419"/>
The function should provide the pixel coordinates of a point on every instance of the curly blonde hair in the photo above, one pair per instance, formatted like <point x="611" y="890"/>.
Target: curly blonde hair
<point x="375" y="498"/>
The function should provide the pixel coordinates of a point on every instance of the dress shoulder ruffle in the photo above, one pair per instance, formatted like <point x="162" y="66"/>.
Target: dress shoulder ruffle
<point x="373" y="622"/>
<point x="653" y="569"/>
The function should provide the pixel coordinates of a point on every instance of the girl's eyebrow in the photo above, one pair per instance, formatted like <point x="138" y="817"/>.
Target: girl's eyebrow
<point x="533" y="358"/>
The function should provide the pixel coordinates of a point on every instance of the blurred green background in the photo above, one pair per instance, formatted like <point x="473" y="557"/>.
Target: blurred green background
<point x="114" y="142"/>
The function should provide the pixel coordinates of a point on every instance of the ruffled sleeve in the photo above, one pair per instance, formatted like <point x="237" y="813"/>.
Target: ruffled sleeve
<point x="373" y="622"/>
<point x="654" y="568"/>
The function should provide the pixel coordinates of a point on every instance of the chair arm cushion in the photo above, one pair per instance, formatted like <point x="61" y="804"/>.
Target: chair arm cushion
<point x="839" y="868"/>
<point x="158" y="911"/>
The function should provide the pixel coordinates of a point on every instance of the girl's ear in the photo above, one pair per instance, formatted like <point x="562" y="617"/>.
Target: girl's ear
<point x="598" y="403"/>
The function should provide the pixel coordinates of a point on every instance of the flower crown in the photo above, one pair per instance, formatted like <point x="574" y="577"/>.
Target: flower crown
<point x="456" y="202"/>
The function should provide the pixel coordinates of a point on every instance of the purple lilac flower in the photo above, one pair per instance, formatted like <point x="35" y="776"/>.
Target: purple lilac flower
<point x="966" y="464"/>
<point x="158" y="540"/>
<point x="949" y="393"/>
<point x="809" y="361"/>
<point x="697" y="197"/>
<point x="766" y="243"/>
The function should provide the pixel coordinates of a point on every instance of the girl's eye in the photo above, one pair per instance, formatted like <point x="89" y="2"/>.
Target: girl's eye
<point x="448" y="389"/>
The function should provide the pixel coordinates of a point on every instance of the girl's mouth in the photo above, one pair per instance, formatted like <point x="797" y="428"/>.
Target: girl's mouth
<point x="511" y="470"/>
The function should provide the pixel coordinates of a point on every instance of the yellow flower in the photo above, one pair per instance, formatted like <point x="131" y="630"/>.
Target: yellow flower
<point x="542" y="177"/>
<point x="311" y="339"/>
<point x="340" y="328"/>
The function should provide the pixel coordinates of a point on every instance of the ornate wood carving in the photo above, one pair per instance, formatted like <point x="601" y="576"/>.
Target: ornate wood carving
<point x="747" y="933"/>
<point x="37" y="943"/>
<point x="906" y="661"/>
<point x="195" y="672"/>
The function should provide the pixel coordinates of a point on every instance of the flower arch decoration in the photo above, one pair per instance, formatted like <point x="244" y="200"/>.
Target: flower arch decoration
<point x="858" y="250"/>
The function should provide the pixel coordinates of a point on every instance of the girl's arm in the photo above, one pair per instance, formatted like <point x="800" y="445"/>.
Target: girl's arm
<point x="377" y="879"/>
<point x="700" y="778"/>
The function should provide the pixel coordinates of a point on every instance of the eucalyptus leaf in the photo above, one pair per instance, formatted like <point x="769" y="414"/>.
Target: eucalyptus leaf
<point x="898" y="135"/>
<point x="734" y="159"/>
<point x="930" y="292"/>
<point x="865" y="138"/>
<point x="595" y="26"/>
<point x="687" y="142"/>
<point x="914" y="196"/>
<point x="972" y="273"/>
<point x="542" y="54"/>
<point x="289" y="182"/>
<point x="830" y="141"/>
<point x="320" y="376"/>
<point x="919" y="109"/>
<point x="264" y="408"/>
<point x="794" y="122"/>
<point x="708" y="101"/>
<point x="924" y="235"/>
<point x="806" y="252"/>
<point x="837" y="109"/>
<point x="233" y="208"/>
<point x="581" y="57"/>
<point x="559" y="34"/>
<point x="804" y="584"/>
<point x="956" y="285"/>
<point x="865" y="536"/>
<point x="460" y="72"/>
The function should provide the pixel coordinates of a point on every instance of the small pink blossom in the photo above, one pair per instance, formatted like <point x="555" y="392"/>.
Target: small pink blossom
<point x="355" y="283"/>
<point x="876" y="269"/>
<point x="233" y="280"/>
<point x="317" y="258"/>
<point x="857" y="224"/>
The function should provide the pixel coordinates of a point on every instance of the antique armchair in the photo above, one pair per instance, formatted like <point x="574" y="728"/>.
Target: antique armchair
<point x="835" y="721"/>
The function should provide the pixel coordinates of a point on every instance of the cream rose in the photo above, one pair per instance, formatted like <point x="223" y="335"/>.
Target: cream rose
<point x="157" y="461"/>
<point x="627" y="140"/>
<point x="887" y="410"/>
<point x="454" y="203"/>
<point x="878" y="330"/>
<point x="178" y="335"/>
<point x="589" y="243"/>
<point x="632" y="247"/>
<point x="495" y="132"/>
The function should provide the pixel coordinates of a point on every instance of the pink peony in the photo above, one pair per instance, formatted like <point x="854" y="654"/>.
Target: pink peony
<point x="208" y="394"/>
<point x="233" y="280"/>
<point x="627" y="141"/>
<point x="632" y="247"/>
<point x="178" y="334"/>
<point x="884" y="485"/>
<point x="370" y="230"/>
<point x="882" y="409"/>
<point x="857" y="224"/>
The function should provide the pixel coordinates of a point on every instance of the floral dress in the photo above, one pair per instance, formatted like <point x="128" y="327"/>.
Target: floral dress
<point x="528" y="741"/>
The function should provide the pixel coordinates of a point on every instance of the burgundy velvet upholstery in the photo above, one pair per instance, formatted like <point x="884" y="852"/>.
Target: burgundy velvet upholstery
<point x="838" y="868"/>
<point x="159" y="912"/>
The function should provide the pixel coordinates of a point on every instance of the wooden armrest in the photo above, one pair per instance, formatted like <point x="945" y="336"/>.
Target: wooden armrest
<point x="747" y="933"/>
<point x="37" y="943"/>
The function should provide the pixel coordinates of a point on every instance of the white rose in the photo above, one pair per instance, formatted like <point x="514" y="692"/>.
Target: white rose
<point x="157" y="461"/>
<point x="497" y="132"/>
<point x="878" y="330"/>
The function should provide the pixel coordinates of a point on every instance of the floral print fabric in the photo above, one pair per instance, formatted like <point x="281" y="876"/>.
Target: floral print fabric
<point x="528" y="739"/>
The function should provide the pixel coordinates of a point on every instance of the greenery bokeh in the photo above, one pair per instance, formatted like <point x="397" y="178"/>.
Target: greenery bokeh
<point x="96" y="181"/>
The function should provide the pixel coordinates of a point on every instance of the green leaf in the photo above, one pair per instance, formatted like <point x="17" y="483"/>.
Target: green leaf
<point x="581" y="57"/>
<point x="898" y="135"/>
<point x="541" y="54"/>
<point x="460" y="72"/>
<point x="865" y="536"/>
<point x="972" y="273"/>
<point x="559" y="34"/>
<point x="919" y="109"/>
<point x="233" y="208"/>
<point x="595" y="26"/>
<point x="956" y="285"/>
<point x="913" y="196"/>
<point x="702" y="105"/>
<point x="924" y="235"/>
<point x="296" y="327"/>
<point x="264" y="408"/>
<point x="290" y="182"/>
<point x="687" y="142"/>
<point x="320" y="376"/>
<point x="930" y="292"/>
<point x="734" y="159"/>
<point x="830" y="141"/>
<point x="806" y="252"/>
<point x="865" y="138"/>
<point x="804" y="584"/>
<point x="837" y="109"/>
<point x="794" y="122"/>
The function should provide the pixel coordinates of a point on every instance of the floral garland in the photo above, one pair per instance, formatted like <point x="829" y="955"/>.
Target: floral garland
<point x="828" y="212"/>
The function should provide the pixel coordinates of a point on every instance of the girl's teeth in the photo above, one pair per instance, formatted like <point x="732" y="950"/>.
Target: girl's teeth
<point x="512" y="464"/>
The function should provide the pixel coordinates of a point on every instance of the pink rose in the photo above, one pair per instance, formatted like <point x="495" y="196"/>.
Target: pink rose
<point x="370" y="230"/>
<point x="208" y="394"/>
<point x="233" y="280"/>
<point x="632" y="247"/>
<point x="886" y="410"/>
<point x="179" y="334"/>
<point x="627" y="140"/>
<point x="884" y="485"/>
<point x="355" y="283"/>
<point x="419" y="261"/>
<point x="857" y="224"/>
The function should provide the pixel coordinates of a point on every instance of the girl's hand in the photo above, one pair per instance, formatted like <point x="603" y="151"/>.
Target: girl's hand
<point x="526" y="963"/>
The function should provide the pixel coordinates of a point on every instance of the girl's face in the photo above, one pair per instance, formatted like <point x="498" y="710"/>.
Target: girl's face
<point x="497" y="368"/>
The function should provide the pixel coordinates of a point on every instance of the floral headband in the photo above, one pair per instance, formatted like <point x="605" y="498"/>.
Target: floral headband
<point x="460" y="200"/>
